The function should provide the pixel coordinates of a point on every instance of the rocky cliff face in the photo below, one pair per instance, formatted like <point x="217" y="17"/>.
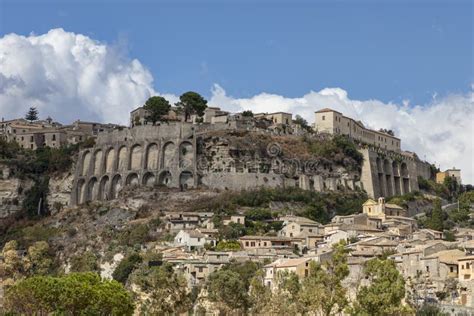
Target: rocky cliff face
<point x="60" y="186"/>
<point x="12" y="191"/>
<point x="244" y="160"/>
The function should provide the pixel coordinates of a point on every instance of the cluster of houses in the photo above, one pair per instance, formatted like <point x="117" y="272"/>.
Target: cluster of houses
<point x="49" y="133"/>
<point x="427" y="262"/>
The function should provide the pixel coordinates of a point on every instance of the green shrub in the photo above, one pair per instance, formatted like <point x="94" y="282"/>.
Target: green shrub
<point x="135" y="235"/>
<point x="84" y="262"/>
<point x="72" y="294"/>
<point x="230" y="245"/>
<point x="125" y="267"/>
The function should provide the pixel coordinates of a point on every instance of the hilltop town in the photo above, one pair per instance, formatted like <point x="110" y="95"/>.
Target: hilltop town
<point x="193" y="208"/>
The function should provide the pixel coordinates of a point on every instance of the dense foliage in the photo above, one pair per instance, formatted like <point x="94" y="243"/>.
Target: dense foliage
<point x="191" y="103"/>
<point x="166" y="291"/>
<point x="72" y="294"/>
<point x="126" y="266"/>
<point x="338" y="149"/>
<point x="384" y="294"/>
<point x="157" y="108"/>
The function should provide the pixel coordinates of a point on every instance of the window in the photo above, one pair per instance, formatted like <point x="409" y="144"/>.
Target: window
<point x="200" y="269"/>
<point x="323" y="120"/>
<point x="54" y="136"/>
<point x="467" y="265"/>
<point x="22" y="138"/>
<point x="427" y="269"/>
<point x="31" y="138"/>
<point x="14" y="131"/>
<point x="246" y="243"/>
<point x="451" y="269"/>
<point x="265" y="243"/>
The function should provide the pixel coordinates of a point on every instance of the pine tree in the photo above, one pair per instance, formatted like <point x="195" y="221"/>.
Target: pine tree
<point x="436" y="220"/>
<point x="32" y="114"/>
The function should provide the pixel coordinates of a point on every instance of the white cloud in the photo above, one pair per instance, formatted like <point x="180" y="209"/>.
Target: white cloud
<point x="71" y="76"/>
<point x="440" y="132"/>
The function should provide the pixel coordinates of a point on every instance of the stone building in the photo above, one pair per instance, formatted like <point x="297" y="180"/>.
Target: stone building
<point x="276" y="118"/>
<point x="453" y="172"/>
<point x="47" y="133"/>
<point x="179" y="154"/>
<point x="334" y="122"/>
<point x="381" y="209"/>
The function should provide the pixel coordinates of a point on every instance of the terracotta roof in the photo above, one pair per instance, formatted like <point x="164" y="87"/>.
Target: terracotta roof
<point x="276" y="238"/>
<point x="448" y="256"/>
<point x="327" y="110"/>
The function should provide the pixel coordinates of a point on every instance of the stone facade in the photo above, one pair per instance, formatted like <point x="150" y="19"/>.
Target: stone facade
<point x="187" y="155"/>
<point x="143" y="155"/>
<point x="388" y="173"/>
<point x="333" y="122"/>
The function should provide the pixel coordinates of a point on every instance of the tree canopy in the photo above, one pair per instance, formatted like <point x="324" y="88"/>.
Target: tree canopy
<point x="32" y="114"/>
<point x="385" y="292"/>
<point x="75" y="293"/>
<point x="192" y="103"/>
<point x="247" y="113"/>
<point x="157" y="107"/>
<point x="166" y="291"/>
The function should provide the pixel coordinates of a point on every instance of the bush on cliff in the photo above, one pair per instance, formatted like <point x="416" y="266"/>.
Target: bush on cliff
<point x="74" y="294"/>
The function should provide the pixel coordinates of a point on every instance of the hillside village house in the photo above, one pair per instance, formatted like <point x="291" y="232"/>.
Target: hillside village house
<point x="333" y="122"/>
<point x="381" y="209"/>
<point x="466" y="280"/>
<point x="47" y="133"/>
<point x="300" y="226"/>
<point x="254" y="242"/>
<point x="442" y="265"/>
<point x="193" y="239"/>
<point x="237" y="219"/>
<point x="299" y="266"/>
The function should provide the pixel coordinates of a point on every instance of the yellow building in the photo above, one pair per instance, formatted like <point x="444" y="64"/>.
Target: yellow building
<point x="455" y="173"/>
<point x="381" y="209"/>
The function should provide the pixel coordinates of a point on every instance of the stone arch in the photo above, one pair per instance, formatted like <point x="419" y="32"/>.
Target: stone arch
<point x="116" y="186"/>
<point x="395" y="168"/>
<point x="169" y="150"/>
<point x="165" y="178"/>
<point x="109" y="160"/>
<point x="152" y="157"/>
<point x="136" y="157"/>
<point x="379" y="165"/>
<point x="103" y="192"/>
<point x="132" y="179"/>
<point x="405" y="185"/>
<point x="91" y="190"/>
<point x="396" y="178"/>
<point x="86" y="161"/>
<point x="387" y="167"/>
<point x="122" y="158"/>
<point x="97" y="162"/>
<point x="404" y="170"/>
<point x="80" y="191"/>
<point x="186" y="180"/>
<point x="186" y="154"/>
<point x="149" y="179"/>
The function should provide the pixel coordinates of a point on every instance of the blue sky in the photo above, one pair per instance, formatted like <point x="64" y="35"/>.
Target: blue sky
<point x="385" y="50"/>
<point x="401" y="65"/>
